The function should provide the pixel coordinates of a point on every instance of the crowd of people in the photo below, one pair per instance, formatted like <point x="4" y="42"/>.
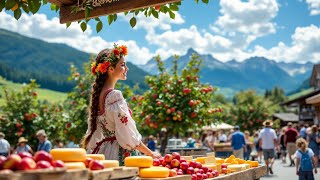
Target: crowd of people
<point x="44" y="144"/>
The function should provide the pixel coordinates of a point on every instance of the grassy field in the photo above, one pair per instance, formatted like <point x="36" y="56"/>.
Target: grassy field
<point x="301" y="93"/>
<point x="43" y="94"/>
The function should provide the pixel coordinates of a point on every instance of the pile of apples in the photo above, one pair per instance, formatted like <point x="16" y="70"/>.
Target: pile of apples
<point x="93" y="164"/>
<point x="179" y="166"/>
<point x="25" y="161"/>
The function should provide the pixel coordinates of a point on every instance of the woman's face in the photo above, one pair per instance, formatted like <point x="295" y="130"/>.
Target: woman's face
<point x="121" y="69"/>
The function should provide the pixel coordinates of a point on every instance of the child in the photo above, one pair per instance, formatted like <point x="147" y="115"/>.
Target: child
<point x="305" y="161"/>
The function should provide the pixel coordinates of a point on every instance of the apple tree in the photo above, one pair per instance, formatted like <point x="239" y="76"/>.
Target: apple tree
<point x="177" y="102"/>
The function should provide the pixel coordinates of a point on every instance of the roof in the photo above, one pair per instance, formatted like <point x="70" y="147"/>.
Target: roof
<point x="287" y="117"/>
<point x="219" y="126"/>
<point x="313" y="99"/>
<point x="301" y="99"/>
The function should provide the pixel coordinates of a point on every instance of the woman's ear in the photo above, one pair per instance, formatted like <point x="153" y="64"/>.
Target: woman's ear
<point x="111" y="69"/>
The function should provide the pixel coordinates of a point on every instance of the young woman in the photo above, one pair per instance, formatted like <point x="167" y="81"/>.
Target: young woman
<point x="111" y="129"/>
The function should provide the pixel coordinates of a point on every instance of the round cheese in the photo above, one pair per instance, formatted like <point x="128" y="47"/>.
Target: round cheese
<point x="154" y="172"/>
<point x="201" y="160"/>
<point x="110" y="163"/>
<point x="96" y="156"/>
<point x="75" y="165"/>
<point x="69" y="154"/>
<point x="138" y="161"/>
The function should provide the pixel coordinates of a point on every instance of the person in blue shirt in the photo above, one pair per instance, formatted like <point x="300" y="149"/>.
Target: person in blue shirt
<point x="44" y="143"/>
<point x="238" y="143"/>
<point x="151" y="143"/>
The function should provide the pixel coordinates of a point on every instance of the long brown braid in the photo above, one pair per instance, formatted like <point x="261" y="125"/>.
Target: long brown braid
<point x="94" y="100"/>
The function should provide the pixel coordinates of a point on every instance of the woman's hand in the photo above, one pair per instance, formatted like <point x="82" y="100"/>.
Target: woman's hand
<point x="315" y="170"/>
<point x="155" y="155"/>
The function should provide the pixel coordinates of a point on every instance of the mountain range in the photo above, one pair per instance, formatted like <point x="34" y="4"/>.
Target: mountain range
<point x="256" y="72"/>
<point x="22" y="58"/>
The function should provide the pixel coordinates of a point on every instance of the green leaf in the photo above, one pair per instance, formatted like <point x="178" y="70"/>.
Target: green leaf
<point x="87" y="12"/>
<point x="83" y="26"/>
<point x="172" y="15"/>
<point x="125" y="13"/>
<point x="68" y="24"/>
<point x="177" y="3"/>
<point x="25" y="8"/>
<point x="155" y="13"/>
<point x="196" y="1"/>
<point x="136" y="12"/>
<point x="2" y="5"/>
<point x="174" y="7"/>
<point x="99" y="26"/>
<point x="97" y="19"/>
<point x="36" y="7"/>
<point x="10" y="4"/>
<point x="133" y="21"/>
<point x="53" y="7"/>
<point x="205" y="1"/>
<point x="110" y="19"/>
<point x="115" y="17"/>
<point x="17" y="13"/>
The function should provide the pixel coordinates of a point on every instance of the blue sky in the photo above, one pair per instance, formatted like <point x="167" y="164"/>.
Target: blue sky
<point x="282" y="30"/>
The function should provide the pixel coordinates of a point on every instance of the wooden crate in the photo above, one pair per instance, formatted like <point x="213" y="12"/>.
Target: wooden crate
<point x="249" y="174"/>
<point x="47" y="174"/>
<point x="182" y="177"/>
<point x="114" y="173"/>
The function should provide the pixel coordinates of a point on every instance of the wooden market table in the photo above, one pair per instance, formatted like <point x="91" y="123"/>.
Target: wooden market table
<point x="249" y="174"/>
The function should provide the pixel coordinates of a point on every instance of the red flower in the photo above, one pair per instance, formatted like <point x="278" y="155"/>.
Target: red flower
<point x="124" y="50"/>
<point x="102" y="68"/>
<point x="93" y="70"/>
<point x="116" y="52"/>
<point x="107" y="64"/>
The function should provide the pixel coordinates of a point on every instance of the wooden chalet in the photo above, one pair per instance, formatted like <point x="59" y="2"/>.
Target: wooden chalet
<point x="285" y="118"/>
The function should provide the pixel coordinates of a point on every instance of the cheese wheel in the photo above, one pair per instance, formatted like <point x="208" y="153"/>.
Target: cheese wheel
<point x="255" y="163"/>
<point x="219" y="160"/>
<point x="247" y="166"/>
<point x="110" y="163"/>
<point x="138" y="161"/>
<point x="69" y="154"/>
<point x="201" y="160"/>
<point x="75" y="165"/>
<point x="212" y="166"/>
<point x="96" y="156"/>
<point x="235" y="167"/>
<point x="218" y="167"/>
<point x="154" y="172"/>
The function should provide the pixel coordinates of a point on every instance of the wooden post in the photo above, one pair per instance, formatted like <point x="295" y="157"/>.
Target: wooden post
<point x="115" y="6"/>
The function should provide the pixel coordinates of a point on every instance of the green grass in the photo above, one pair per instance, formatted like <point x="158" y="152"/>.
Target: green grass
<point x="301" y="93"/>
<point x="43" y="94"/>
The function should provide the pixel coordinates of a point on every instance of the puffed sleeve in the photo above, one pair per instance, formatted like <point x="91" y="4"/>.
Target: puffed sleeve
<point x="126" y="131"/>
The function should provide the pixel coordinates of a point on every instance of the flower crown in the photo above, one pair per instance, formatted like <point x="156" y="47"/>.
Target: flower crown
<point x="116" y="53"/>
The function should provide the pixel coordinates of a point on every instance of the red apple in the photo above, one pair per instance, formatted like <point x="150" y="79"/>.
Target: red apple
<point x="175" y="163"/>
<point x="199" y="176"/>
<point x="96" y="165"/>
<point x="180" y="170"/>
<point x="198" y="165"/>
<point x="164" y="163"/>
<point x="209" y="170"/>
<point x="168" y="158"/>
<point x="87" y="161"/>
<point x="204" y="176"/>
<point x="176" y="169"/>
<point x="210" y="175"/>
<point x="161" y="159"/>
<point x="58" y="164"/>
<point x="168" y="166"/>
<point x="2" y="160"/>
<point x="172" y="173"/>
<point x="196" y="170"/>
<point x="182" y="160"/>
<point x="173" y="109"/>
<point x="188" y="78"/>
<point x="224" y="170"/>
<point x="200" y="171"/>
<point x="223" y="166"/>
<point x="194" y="177"/>
<point x="157" y="7"/>
<point x="190" y="170"/>
<point x="25" y="154"/>
<point x="156" y="162"/>
<point x="191" y="103"/>
<point x="205" y="169"/>
<point x="184" y="166"/>
<point x="11" y="162"/>
<point x="216" y="172"/>
<point x="179" y="173"/>
<point x="192" y="164"/>
<point x="26" y="164"/>
<point x="42" y="156"/>
<point x="176" y="155"/>
<point x="193" y="115"/>
<point x="42" y="164"/>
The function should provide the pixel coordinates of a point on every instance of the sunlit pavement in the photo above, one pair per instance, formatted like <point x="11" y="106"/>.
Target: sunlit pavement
<point x="284" y="172"/>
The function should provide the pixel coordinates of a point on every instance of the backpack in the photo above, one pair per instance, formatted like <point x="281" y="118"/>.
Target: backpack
<point x="305" y="162"/>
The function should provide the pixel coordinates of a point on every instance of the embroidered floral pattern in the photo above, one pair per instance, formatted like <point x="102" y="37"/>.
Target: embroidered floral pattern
<point x="123" y="119"/>
<point x="123" y="153"/>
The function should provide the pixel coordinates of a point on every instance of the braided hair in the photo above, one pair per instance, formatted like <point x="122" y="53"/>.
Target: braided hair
<point x="95" y="94"/>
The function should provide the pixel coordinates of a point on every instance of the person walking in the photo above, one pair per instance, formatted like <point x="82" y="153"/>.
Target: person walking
<point x="4" y="146"/>
<point x="290" y="137"/>
<point x="282" y="145"/>
<point x="313" y="140"/>
<point x="238" y="143"/>
<point x="268" y="142"/>
<point x="44" y="143"/>
<point x="305" y="161"/>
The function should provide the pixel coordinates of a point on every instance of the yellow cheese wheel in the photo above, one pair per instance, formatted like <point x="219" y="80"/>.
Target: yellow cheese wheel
<point x="201" y="160"/>
<point x="247" y="166"/>
<point x="255" y="163"/>
<point x="219" y="160"/>
<point x="110" y="163"/>
<point x="69" y="154"/>
<point x="96" y="156"/>
<point x="138" y="161"/>
<point x="154" y="172"/>
<point x="212" y="166"/>
<point x="75" y="165"/>
<point x="235" y="167"/>
<point x="218" y="167"/>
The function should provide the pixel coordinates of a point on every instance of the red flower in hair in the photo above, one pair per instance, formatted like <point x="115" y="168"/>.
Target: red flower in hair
<point x="116" y="52"/>
<point x="93" y="70"/>
<point x="102" y="68"/>
<point x="107" y="64"/>
<point x="124" y="50"/>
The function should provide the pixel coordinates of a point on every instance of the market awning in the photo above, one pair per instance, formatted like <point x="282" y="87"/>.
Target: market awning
<point x="288" y="117"/>
<point x="222" y="126"/>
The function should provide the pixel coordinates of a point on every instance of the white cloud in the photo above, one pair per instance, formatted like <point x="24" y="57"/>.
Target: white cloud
<point x="40" y="27"/>
<point x="314" y="6"/>
<point x="253" y="17"/>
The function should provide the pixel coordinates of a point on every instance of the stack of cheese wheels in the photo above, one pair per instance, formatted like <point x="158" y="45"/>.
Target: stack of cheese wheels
<point x="96" y="156"/>
<point x="73" y="157"/>
<point x="145" y="163"/>
<point x="110" y="163"/>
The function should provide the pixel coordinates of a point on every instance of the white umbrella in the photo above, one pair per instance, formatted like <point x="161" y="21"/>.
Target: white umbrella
<point x="217" y="126"/>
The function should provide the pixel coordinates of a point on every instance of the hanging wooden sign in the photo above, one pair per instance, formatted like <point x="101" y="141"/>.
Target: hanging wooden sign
<point x="102" y="7"/>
